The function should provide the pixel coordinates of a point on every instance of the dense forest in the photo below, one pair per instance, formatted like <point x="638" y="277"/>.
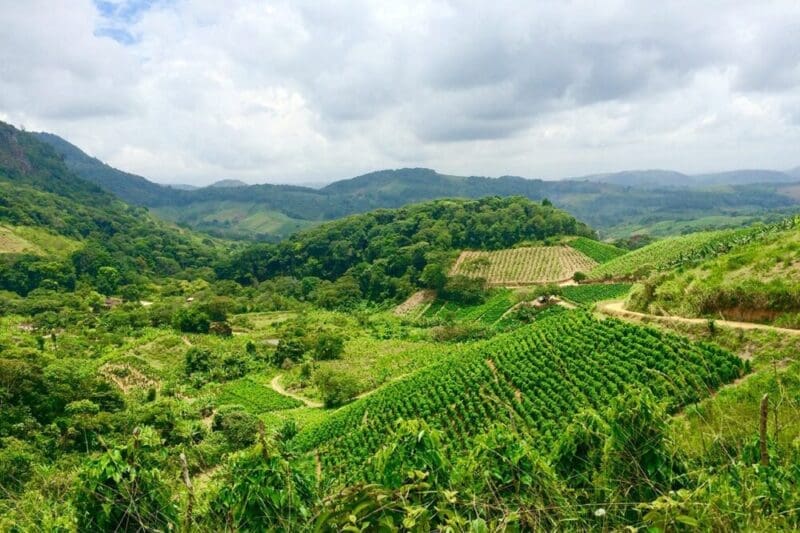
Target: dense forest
<point x="120" y="244"/>
<point x="386" y="253"/>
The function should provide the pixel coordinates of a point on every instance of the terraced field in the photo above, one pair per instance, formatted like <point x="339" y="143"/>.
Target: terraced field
<point x="537" y="377"/>
<point x="678" y="251"/>
<point x="524" y="266"/>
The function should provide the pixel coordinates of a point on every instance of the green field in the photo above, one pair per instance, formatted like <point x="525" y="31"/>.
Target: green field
<point x="526" y="265"/>
<point x="589" y="294"/>
<point x="599" y="251"/>
<point x="240" y="219"/>
<point x="537" y="377"/>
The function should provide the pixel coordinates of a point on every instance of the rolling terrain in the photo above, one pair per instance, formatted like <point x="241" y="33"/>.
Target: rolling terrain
<point x="617" y="205"/>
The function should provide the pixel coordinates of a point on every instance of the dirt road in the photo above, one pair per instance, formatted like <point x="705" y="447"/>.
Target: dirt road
<point x="616" y="308"/>
<point x="277" y="387"/>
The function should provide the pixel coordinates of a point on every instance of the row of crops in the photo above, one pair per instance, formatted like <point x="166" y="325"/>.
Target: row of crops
<point x="522" y="266"/>
<point x="589" y="294"/>
<point x="488" y="312"/>
<point x="537" y="377"/>
<point x="599" y="251"/>
<point x="254" y="397"/>
<point x="673" y="252"/>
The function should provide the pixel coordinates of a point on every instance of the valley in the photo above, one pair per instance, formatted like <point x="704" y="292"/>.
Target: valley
<point x="478" y="361"/>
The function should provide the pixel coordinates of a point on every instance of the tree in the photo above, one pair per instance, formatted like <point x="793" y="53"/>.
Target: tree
<point x="108" y="279"/>
<point x="328" y="346"/>
<point x="337" y="388"/>
<point x="190" y="320"/>
<point x="198" y="360"/>
<point x="261" y="490"/>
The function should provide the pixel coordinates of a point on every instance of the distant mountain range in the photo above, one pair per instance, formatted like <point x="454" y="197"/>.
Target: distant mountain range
<point x="618" y="204"/>
<point x="670" y="178"/>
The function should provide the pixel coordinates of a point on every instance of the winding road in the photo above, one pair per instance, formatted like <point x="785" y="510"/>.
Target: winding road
<point x="617" y="308"/>
<point x="277" y="387"/>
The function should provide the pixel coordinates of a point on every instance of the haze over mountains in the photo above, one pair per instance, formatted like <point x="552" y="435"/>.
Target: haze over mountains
<point x="645" y="201"/>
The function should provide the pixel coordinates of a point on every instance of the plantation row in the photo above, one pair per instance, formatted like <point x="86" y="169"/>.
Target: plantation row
<point x="487" y="312"/>
<point x="676" y="251"/>
<point x="521" y="266"/>
<point x="538" y="377"/>
<point x="254" y="397"/>
<point x="589" y="294"/>
<point x="599" y="251"/>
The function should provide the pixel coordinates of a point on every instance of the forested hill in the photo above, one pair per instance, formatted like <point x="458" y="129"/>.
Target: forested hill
<point x="38" y="193"/>
<point x="616" y="204"/>
<point x="384" y="254"/>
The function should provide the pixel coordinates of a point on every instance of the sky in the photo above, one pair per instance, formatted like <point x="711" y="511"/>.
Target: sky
<point x="193" y="91"/>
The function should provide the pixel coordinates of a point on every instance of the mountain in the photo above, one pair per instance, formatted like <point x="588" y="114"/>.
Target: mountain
<point x="40" y="196"/>
<point x="129" y="187"/>
<point x="644" y="178"/>
<point x="744" y="177"/>
<point x="658" y="202"/>
<point x="795" y="173"/>
<point x="229" y="183"/>
<point x="669" y="178"/>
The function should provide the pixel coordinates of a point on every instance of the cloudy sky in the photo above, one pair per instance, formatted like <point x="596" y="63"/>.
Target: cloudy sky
<point x="193" y="91"/>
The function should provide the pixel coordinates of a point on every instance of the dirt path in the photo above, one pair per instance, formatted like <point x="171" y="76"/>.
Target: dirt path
<point x="277" y="387"/>
<point x="416" y="299"/>
<point x="616" y="308"/>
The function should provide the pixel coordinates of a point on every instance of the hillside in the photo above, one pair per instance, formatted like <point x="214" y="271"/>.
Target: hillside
<point x="77" y="226"/>
<point x="523" y="266"/>
<point x="537" y="378"/>
<point x="384" y="254"/>
<point x="676" y="252"/>
<point x="658" y="202"/>
<point x="758" y="281"/>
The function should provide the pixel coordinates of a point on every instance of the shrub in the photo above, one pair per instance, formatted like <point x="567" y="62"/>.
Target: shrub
<point x="328" y="346"/>
<point x="190" y="320"/>
<point x="238" y="426"/>
<point x="337" y="388"/>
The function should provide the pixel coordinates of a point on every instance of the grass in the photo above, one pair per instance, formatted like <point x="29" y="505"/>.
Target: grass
<point x="599" y="251"/>
<point x="26" y="239"/>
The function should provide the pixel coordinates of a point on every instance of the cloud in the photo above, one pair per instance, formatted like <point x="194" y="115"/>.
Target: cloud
<point x="198" y="90"/>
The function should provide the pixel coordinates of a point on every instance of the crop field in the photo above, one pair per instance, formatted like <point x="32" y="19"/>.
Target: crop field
<point x="676" y="251"/>
<point x="599" y="251"/>
<point x="589" y="294"/>
<point x="255" y="397"/>
<point x="537" y="377"/>
<point x="524" y="266"/>
<point x="487" y="312"/>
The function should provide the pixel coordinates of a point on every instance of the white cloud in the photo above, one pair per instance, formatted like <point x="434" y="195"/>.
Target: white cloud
<point x="199" y="90"/>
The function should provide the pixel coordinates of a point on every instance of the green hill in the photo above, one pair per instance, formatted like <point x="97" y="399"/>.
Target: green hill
<point x="384" y="254"/>
<point x="756" y="280"/>
<point x="79" y="227"/>
<point x="536" y="378"/>
<point x="653" y="202"/>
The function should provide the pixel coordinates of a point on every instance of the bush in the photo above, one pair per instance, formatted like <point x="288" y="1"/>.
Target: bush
<point x="238" y="426"/>
<point x="191" y="320"/>
<point x="328" y="346"/>
<point x="292" y="349"/>
<point x="337" y="388"/>
<point x="198" y="360"/>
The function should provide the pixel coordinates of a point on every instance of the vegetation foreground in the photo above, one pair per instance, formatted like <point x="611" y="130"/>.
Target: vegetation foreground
<point x="155" y="379"/>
